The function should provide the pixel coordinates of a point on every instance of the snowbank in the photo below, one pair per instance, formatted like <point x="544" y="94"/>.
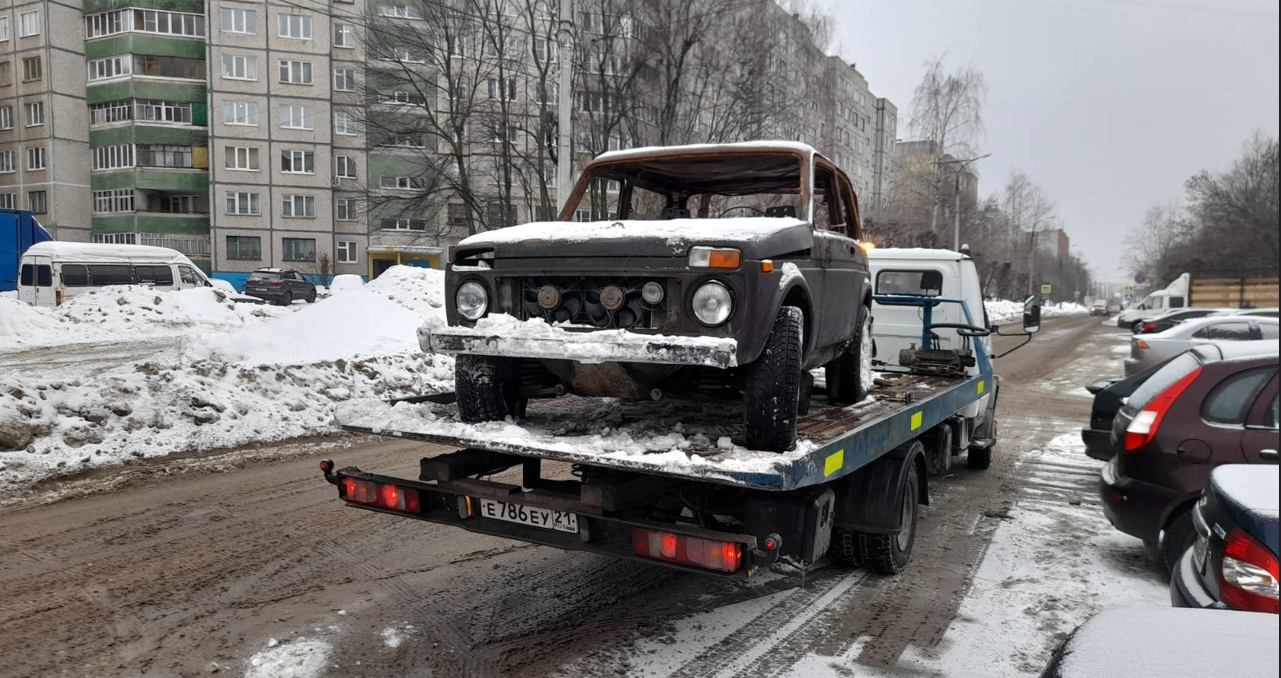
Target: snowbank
<point x="300" y="658"/>
<point x="1000" y="311"/>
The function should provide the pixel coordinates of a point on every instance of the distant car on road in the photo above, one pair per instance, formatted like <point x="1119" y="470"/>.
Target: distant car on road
<point x="1100" y="308"/>
<point x="1172" y="319"/>
<point x="1198" y="412"/>
<point x="280" y="285"/>
<point x="1233" y="564"/>
<point x="1169" y="642"/>
<point x="1152" y="349"/>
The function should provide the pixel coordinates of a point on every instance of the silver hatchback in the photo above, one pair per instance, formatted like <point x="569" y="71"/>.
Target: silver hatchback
<point x="1149" y="350"/>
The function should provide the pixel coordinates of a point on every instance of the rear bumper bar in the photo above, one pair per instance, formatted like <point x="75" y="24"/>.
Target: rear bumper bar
<point x="591" y="347"/>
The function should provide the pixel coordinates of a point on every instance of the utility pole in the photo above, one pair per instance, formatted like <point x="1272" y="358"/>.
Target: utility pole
<point x="565" y="125"/>
<point x="956" y="218"/>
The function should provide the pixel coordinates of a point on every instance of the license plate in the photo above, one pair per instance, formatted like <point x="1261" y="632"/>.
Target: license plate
<point x="1200" y="551"/>
<point x="547" y="519"/>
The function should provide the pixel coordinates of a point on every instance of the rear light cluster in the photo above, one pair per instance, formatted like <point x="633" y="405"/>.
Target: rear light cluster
<point x="383" y="495"/>
<point x="1147" y="423"/>
<point x="1248" y="578"/>
<point x="721" y="556"/>
<point x="1150" y="327"/>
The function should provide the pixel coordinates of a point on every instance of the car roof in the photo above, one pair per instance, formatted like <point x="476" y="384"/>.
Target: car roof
<point x="910" y="253"/>
<point x="1237" y="351"/>
<point x="677" y="151"/>
<point x="1195" y="324"/>
<point x="87" y="252"/>
<point x="272" y="270"/>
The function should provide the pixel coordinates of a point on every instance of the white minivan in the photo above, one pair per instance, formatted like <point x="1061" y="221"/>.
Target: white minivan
<point x="52" y="272"/>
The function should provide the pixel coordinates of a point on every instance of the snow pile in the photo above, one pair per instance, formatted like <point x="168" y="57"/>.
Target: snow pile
<point x="19" y="319"/>
<point x="299" y="658"/>
<point x="1000" y="311"/>
<point x="421" y="290"/>
<point x="345" y="283"/>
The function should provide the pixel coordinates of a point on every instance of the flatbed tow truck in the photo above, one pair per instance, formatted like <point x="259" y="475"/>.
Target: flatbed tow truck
<point x="665" y="483"/>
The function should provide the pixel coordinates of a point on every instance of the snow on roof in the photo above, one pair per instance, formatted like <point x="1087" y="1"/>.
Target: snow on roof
<point x="898" y="253"/>
<point x="84" y="252"/>
<point x="781" y="146"/>
<point x="674" y="231"/>
<point x="1255" y="488"/>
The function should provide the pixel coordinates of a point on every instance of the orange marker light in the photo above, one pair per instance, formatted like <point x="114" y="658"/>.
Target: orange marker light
<point x="767" y="266"/>
<point x="715" y="257"/>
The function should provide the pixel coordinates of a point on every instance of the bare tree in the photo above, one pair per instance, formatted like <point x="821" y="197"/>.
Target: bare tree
<point x="1150" y="246"/>
<point x="947" y="110"/>
<point x="1236" y="210"/>
<point x="1030" y="211"/>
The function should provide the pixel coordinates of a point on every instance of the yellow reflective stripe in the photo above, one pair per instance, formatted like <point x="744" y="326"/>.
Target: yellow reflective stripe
<point x="918" y="420"/>
<point x="982" y="387"/>
<point x="834" y="463"/>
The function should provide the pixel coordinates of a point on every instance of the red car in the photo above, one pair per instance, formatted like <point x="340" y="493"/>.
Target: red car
<point x="1200" y="411"/>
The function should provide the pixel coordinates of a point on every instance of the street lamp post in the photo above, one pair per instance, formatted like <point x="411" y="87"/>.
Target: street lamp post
<point x="956" y="216"/>
<point x="565" y="52"/>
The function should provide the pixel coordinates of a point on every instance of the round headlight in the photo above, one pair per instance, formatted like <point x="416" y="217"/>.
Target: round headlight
<point x="713" y="303"/>
<point x="652" y="293"/>
<point x="472" y="301"/>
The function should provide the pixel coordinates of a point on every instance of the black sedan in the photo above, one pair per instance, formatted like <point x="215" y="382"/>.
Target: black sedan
<point x="1233" y="563"/>
<point x="280" y="285"/>
<point x="1162" y="323"/>
<point x="1109" y="396"/>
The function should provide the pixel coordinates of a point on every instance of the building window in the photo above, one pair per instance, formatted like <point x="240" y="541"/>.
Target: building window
<point x="164" y="155"/>
<point x="239" y="67"/>
<point x="295" y="26"/>
<point x="298" y="162"/>
<point x="241" y="158"/>
<point x="404" y="141"/>
<point x="38" y="202"/>
<point x="29" y="25"/>
<point x="169" y="23"/>
<point x="240" y="113"/>
<point x="345" y="209"/>
<point x="502" y="88"/>
<point x="32" y="69"/>
<point x="6" y="117"/>
<point x="34" y="113"/>
<point x="302" y="206"/>
<point x="35" y="159"/>
<point x="298" y="249"/>
<point x="169" y="67"/>
<point x="297" y="117"/>
<point x="110" y="67"/>
<point x="113" y="157"/>
<point x="295" y="72"/>
<point x="347" y="251"/>
<point x="345" y="123"/>
<point x="110" y="111"/>
<point x="345" y="167"/>
<point x="547" y="93"/>
<point x="400" y="11"/>
<point x="107" y="23"/>
<point x="244" y="247"/>
<point x="344" y="35"/>
<point x="401" y="97"/>
<point x="402" y="183"/>
<point x="344" y="80"/>
<point x="6" y="162"/>
<point x="9" y="201"/>
<point x="457" y="214"/>
<point x="403" y="55"/>
<point x="152" y="110"/>
<point x="4" y="29"/>
<point x="108" y="202"/>
<point x="403" y="224"/>
<point x="244" y="21"/>
<point x="242" y="203"/>
<point x="546" y="51"/>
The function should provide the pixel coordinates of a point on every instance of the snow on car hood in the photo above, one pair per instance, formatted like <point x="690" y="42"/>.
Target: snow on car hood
<point x="757" y="237"/>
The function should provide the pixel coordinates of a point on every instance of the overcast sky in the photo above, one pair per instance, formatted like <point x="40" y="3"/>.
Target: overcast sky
<point x="1109" y="104"/>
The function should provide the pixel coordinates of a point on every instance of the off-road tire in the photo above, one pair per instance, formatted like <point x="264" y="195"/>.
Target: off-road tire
<point x="980" y="458"/>
<point x="484" y="389"/>
<point x="1179" y="536"/>
<point x="884" y="553"/>
<point x="845" y="375"/>
<point x="846" y="547"/>
<point x="772" y="388"/>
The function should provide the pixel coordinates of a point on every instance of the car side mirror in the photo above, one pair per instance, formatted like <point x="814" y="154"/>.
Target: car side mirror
<point x="1032" y="315"/>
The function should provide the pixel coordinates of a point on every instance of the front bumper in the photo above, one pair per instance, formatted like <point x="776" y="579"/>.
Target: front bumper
<point x="539" y="341"/>
<point x="1133" y="506"/>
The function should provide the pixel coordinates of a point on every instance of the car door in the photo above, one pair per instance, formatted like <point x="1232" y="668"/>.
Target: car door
<point x="297" y="284"/>
<point x="1259" y="443"/>
<point x="35" y="280"/>
<point x="847" y="267"/>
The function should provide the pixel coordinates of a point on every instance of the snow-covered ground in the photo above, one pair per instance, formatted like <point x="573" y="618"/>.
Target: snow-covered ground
<point x="1000" y="311"/>
<point x="222" y="375"/>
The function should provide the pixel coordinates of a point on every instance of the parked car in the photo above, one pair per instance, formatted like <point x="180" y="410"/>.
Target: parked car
<point x="1152" y="349"/>
<point x="1252" y="312"/>
<point x="52" y="272"/>
<point x="729" y="276"/>
<point x="1198" y="412"/>
<point x="1172" y="319"/>
<point x="1100" y="308"/>
<point x="1233" y="563"/>
<point x="1170" y="643"/>
<point x="280" y="285"/>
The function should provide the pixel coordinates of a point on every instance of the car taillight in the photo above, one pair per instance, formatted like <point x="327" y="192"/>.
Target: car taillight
<point x="1150" y="327"/>
<point x="722" y="556"/>
<point x="277" y="282"/>
<point x="1143" y="429"/>
<point x="1248" y="577"/>
<point x="383" y="495"/>
<point x="1141" y="345"/>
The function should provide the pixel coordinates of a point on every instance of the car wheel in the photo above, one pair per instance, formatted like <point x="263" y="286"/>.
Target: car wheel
<point x="485" y="389"/>
<point x="311" y="298"/>
<point x="849" y="377"/>
<point x="771" y="394"/>
<point x="846" y="547"/>
<point x="889" y="554"/>
<point x="288" y="300"/>
<point x="1179" y="537"/>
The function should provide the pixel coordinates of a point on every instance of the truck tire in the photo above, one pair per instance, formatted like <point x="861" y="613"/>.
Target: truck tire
<point x="846" y="547"/>
<point x="849" y="376"/>
<point x="980" y="458"/>
<point x="485" y="390"/>
<point x="889" y="554"/>
<point x="772" y="389"/>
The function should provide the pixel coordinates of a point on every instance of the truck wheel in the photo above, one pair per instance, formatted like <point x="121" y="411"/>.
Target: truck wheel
<point x="849" y="377"/>
<point x="485" y="389"/>
<point x="771" y="394"/>
<point x="889" y="553"/>
<point x="846" y="547"/>
<point x="980" y="458"/>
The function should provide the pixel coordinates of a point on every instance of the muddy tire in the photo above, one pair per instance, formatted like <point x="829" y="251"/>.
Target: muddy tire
<point x="980" y="458"/>
<point x="485" y="389"/>
<point x="849" y="377"/>
<point x="889" y="554"/>
<point x="771" y="393"/>
<point x="1179" y="537"/>
<point x="846" y="547"/>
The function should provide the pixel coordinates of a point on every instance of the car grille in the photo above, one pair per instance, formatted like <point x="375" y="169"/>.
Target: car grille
<point x="579" y="301"/>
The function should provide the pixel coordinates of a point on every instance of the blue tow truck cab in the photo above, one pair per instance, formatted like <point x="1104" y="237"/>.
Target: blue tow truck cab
<point x="19" y="230"/>
<point x="850" y="491"/>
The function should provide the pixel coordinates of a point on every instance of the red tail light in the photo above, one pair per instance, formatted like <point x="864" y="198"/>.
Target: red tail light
<point x="1248" y="577"/>
<point x="722" y="556"/>
<point x="1143" y="345"/>
<point x="276" y="282"/>
<point x="382" y="495"/>
<point x="1147" y="423"/>
<point x="1150" y="327"/>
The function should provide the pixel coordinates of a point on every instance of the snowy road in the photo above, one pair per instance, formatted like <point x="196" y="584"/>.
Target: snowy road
<point x="244" y="562"/>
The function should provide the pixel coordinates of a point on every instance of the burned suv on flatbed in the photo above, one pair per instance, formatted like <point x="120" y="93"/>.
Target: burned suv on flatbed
<point x="706" y="273"/>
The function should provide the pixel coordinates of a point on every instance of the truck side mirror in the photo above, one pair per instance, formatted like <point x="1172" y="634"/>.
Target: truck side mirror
<point x="1032" y="314"/>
